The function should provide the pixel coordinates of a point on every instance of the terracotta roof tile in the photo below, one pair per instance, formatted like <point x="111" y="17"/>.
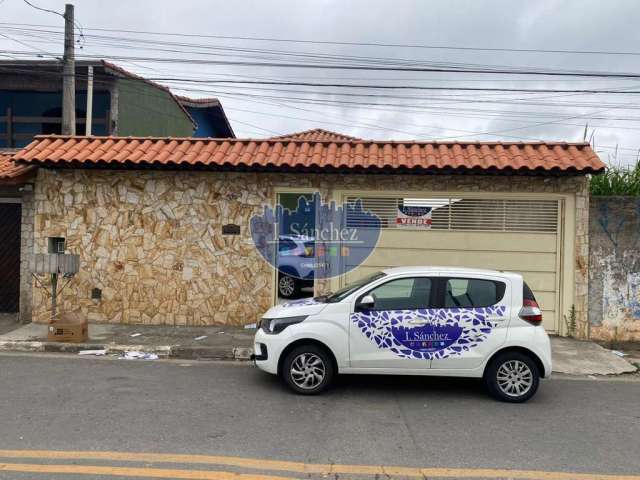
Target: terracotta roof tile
<point x="300" y="154"/>
<point x="10" y="172"/>
<point x="316" y="134"/>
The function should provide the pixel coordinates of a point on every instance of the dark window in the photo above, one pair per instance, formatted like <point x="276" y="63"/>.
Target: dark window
<point x="55" y="127"/>
<point x="56" y="245"/>
<point x="403" y="294"/>
<point x="527" y="294"/>
<point x="472" y="292"/>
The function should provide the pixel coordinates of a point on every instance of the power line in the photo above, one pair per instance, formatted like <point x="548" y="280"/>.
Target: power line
<point x="43" y="9"/>
<point x="20" y="68"/>
<point x="126" y="43"/>
<point x="359" y="44"/>
<point x="24" y="44"/>
<point x="135" y="44"/>
<point x="413" y="134"/>
<point x="371" y="67"/>
<point x="394" y="87"/>
<point x="255" y="126"/>
<point x="413" y="105"/>
<point x="75" y="22"/>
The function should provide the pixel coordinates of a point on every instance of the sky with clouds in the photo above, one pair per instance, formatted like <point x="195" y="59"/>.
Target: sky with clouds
<point x="263" y="109"/>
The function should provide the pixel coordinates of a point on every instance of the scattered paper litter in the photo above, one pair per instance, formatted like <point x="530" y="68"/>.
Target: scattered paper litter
<point x="619" y="353"/>
<point x="92" y="352"/>
<point x="201" y="337"/>
<point x="135" y="334"/>
<point x="135" y="355"/>
<point x="249" y="326"/>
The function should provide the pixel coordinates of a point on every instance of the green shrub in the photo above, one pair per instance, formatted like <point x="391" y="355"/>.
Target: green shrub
<point x="617" y="181"/>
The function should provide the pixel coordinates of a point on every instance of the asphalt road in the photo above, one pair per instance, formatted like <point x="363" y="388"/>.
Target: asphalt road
<point x="75" y="404"/>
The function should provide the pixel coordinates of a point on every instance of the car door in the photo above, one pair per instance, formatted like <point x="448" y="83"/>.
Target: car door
<point x="387" y="335"/>
<point x="477" y="309"/>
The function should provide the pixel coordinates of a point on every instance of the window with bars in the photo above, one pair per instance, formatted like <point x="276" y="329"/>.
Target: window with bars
<point x="460" y="214"/>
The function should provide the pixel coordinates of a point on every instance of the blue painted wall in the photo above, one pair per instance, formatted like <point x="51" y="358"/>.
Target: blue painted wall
<point x="206" y="128"/>
<point x="31" y="104"/>
<point x="210" y="121"/>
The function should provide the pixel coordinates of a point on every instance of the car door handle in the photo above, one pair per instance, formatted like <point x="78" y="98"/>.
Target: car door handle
<point x="496" y="319"/>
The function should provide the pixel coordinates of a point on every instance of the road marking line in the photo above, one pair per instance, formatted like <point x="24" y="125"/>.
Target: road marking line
<point x="132" y="472"/>
<point x="300" y="467"/>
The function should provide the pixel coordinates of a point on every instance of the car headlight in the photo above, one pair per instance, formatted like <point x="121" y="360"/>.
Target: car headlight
<point x="276" y="325"/>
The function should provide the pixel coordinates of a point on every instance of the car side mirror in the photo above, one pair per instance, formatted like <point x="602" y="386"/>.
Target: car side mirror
<point x="367" y="302"/>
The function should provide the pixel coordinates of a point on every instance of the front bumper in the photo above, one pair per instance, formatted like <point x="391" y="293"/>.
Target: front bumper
<point x="267" y="349"/>
<point x="260" y="352"/>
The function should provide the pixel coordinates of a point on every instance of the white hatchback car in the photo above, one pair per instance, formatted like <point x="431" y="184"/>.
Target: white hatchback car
<point x="412" y="321"/>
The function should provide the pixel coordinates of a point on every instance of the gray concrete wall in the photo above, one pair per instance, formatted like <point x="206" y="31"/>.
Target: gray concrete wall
<point x="26" y="253"/>
<point x="614" y="268"/>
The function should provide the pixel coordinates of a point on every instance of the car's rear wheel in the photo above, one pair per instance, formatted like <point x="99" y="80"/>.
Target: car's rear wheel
<point x="288" y="286"/>
<point x="512" y="377"/>
<point x="308" y="370"/>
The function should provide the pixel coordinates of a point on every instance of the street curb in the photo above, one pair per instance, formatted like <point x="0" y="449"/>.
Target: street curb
<point x="163" y="351"/>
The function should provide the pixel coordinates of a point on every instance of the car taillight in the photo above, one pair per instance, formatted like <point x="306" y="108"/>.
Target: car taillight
<point x="531" y="312"/>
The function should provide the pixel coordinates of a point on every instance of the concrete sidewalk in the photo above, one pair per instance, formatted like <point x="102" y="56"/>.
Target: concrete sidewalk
<point x="219" y="343"/>
<point x="578" y="357"/>
<point x="572" y="357"/>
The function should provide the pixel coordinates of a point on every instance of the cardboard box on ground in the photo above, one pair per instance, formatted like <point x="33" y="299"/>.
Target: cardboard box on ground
<point x="68" y="327"/>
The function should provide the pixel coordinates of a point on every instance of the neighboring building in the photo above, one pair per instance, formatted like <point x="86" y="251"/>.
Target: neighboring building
<point x="16" y="236"/>
<point x="146" y="216"/>
<point x="209" y="117"/>
<point x="124" y="104"/>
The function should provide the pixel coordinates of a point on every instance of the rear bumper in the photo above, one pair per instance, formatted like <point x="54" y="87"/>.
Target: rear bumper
<point x="543" y="342"/>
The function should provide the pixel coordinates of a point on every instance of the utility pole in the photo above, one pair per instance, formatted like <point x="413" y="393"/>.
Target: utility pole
<point x="89" y="116"/>
<point x="68" y="75"/>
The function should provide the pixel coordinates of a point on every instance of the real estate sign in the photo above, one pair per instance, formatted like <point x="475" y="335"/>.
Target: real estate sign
<point x="413" y="217"/>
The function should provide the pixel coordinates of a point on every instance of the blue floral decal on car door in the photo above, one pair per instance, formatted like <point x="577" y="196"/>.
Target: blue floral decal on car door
<point x="428" y="333"/>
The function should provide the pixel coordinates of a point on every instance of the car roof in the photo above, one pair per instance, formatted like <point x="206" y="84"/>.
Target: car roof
<point x="442" y="269"/>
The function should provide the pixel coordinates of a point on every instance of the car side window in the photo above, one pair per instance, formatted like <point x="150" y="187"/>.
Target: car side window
<point x="402" y="294"/>
<point x="472" y="292"/>
<point x="286" y="245"/>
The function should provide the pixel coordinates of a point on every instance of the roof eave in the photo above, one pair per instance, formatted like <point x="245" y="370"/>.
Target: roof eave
<point x="103" y="165"/>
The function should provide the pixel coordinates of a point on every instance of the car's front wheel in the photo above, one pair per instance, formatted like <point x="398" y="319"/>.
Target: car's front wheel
<point x="308" y="370"/>
<point x="512" y="377"/>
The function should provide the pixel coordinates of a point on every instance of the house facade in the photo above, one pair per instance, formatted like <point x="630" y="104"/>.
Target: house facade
<point x="30" y="104"/>
<point x="151" y="218"/>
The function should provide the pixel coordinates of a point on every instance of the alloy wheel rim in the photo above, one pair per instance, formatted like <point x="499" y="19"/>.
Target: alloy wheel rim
<point x="515" y="378"/>
<point x="287" y="285"/>
<point x="307" y="371"/>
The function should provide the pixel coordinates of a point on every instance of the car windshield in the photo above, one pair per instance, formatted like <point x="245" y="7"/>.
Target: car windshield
<point x="344" y="292"/>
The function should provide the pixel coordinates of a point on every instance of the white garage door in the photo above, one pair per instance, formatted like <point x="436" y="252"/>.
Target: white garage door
<point x="519" y="235"/>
